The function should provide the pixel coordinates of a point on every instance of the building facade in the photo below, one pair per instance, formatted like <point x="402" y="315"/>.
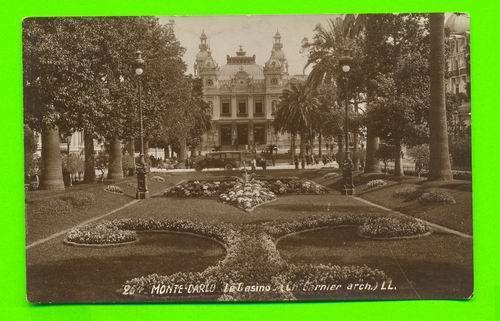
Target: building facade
<point x="243" y="97"/>
<point x="457" y="27"/>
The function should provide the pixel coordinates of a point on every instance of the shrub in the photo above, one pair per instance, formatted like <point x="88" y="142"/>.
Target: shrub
<point x="460" y="151"/>
<point x="408" y="192"/>
<point x="375" y="183"/>
<point x="436" y="197"/>
<point x="53" y="206"/>
<point x="421" y="156"/>
<point x="393" y="227"/>
<point x="114" y="189"/>
<point x="73" y="163"/>
<point x="99" y="234"/>
<point x="80" y="199"/>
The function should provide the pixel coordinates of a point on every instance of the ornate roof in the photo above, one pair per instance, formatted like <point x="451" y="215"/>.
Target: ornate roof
<point x="230" y="70"/>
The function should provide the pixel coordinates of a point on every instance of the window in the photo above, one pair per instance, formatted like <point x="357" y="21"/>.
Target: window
<point x="242" y="108"/>
<point x="225" y="108"/>
<point x="259" y="109"/>
<point x="274" y="81"/>
<point x="210" y="82"/>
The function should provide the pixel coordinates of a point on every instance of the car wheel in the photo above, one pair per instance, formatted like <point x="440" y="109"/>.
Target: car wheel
<point x="228" y="167"/>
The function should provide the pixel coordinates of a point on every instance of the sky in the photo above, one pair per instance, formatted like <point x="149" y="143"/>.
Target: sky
<point x="254" y="32"/>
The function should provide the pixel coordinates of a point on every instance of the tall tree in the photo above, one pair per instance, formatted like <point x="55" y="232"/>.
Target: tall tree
<point x="439" y="167"/>
<point x="327" y="46"/>
<point x="400" y="104"/>
<point x="295" y="111"/>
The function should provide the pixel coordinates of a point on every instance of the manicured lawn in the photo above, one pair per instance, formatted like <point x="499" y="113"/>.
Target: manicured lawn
<point x="455" y="216"/>
<point x="60" y="273"/>
<point x="40" y="226"/>
<point x="437" y="266"/>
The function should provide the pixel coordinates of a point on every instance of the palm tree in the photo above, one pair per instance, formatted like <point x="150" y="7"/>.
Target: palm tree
<point x="328" y="45"/>
<point x="439" y="166"/>
<point x="295" y="112"/>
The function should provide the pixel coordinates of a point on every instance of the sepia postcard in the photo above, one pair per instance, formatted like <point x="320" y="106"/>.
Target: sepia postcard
<point x="247" y="158"/>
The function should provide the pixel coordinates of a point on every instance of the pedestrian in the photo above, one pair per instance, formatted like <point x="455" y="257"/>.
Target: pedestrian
<point x="296" y="162"/>
<point x="254" y="163"/>
<point x="303" y="162"/>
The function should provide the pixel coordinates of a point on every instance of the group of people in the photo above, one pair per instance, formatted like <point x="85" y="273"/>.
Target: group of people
<point x="312" y="159"/>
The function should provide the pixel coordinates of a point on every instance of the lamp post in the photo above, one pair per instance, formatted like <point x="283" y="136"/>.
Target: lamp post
<point x="345" y="63"/>
<point x="141" y="167"/>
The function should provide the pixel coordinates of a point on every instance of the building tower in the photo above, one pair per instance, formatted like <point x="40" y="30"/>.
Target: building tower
<point x="276" y="66"/>
<point x="202" y="55"/>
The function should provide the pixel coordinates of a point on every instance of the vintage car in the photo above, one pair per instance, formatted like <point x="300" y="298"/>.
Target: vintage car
<point x="227" y="160"/>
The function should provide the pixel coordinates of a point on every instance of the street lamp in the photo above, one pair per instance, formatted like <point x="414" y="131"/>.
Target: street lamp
<point x="345" y="63"/>
<point x="141" y="167"/>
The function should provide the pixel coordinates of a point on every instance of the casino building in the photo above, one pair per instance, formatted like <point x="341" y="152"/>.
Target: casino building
<point x="243" y="96"/>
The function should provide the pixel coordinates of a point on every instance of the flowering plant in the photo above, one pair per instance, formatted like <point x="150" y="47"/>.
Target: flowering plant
<point x="436" y="197"/>
<point x="375" y="183"/>
<point x="392" y="227"/>
<point x="113" y="189"/>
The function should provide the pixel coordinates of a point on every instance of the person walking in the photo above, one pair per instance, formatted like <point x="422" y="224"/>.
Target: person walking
<point x="296" y="162"/>
<point x="303" y="162"/>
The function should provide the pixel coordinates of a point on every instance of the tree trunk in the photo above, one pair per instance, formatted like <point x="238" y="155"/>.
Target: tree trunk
<point x="51" y="171"/>
<point x="115" y="170"/>
<point x="130" y="147"/>
<point x="146" y="148"/>
<point x="302" y="145"/>
<point x="320" y="142"/>
<point x="89" y="171"/>
<point x="398" y="159"/>
<point x="439" y="166"/>
<point x="293" y="138"/>
<point x="372" y="163"/>
<point x="182" y="152"/>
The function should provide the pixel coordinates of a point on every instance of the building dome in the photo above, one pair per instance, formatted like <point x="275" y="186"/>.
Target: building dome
<point x="202" y="55"/>
<point x="458" y="23"/>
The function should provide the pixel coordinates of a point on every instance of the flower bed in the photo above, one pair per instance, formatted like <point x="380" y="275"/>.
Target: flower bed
<point x="252" y="257"/>
<point x="375" y="183"/>
<point x="99" y="234"/>
<point x="292" y="185"/>
<point x="392" y="227"/>
<point x="247" y="195"/>
<point x="436" y="197"/>
<point x="200" y="188"/>
<point x="113" y="189"/>
<point x="247" y="192"/>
